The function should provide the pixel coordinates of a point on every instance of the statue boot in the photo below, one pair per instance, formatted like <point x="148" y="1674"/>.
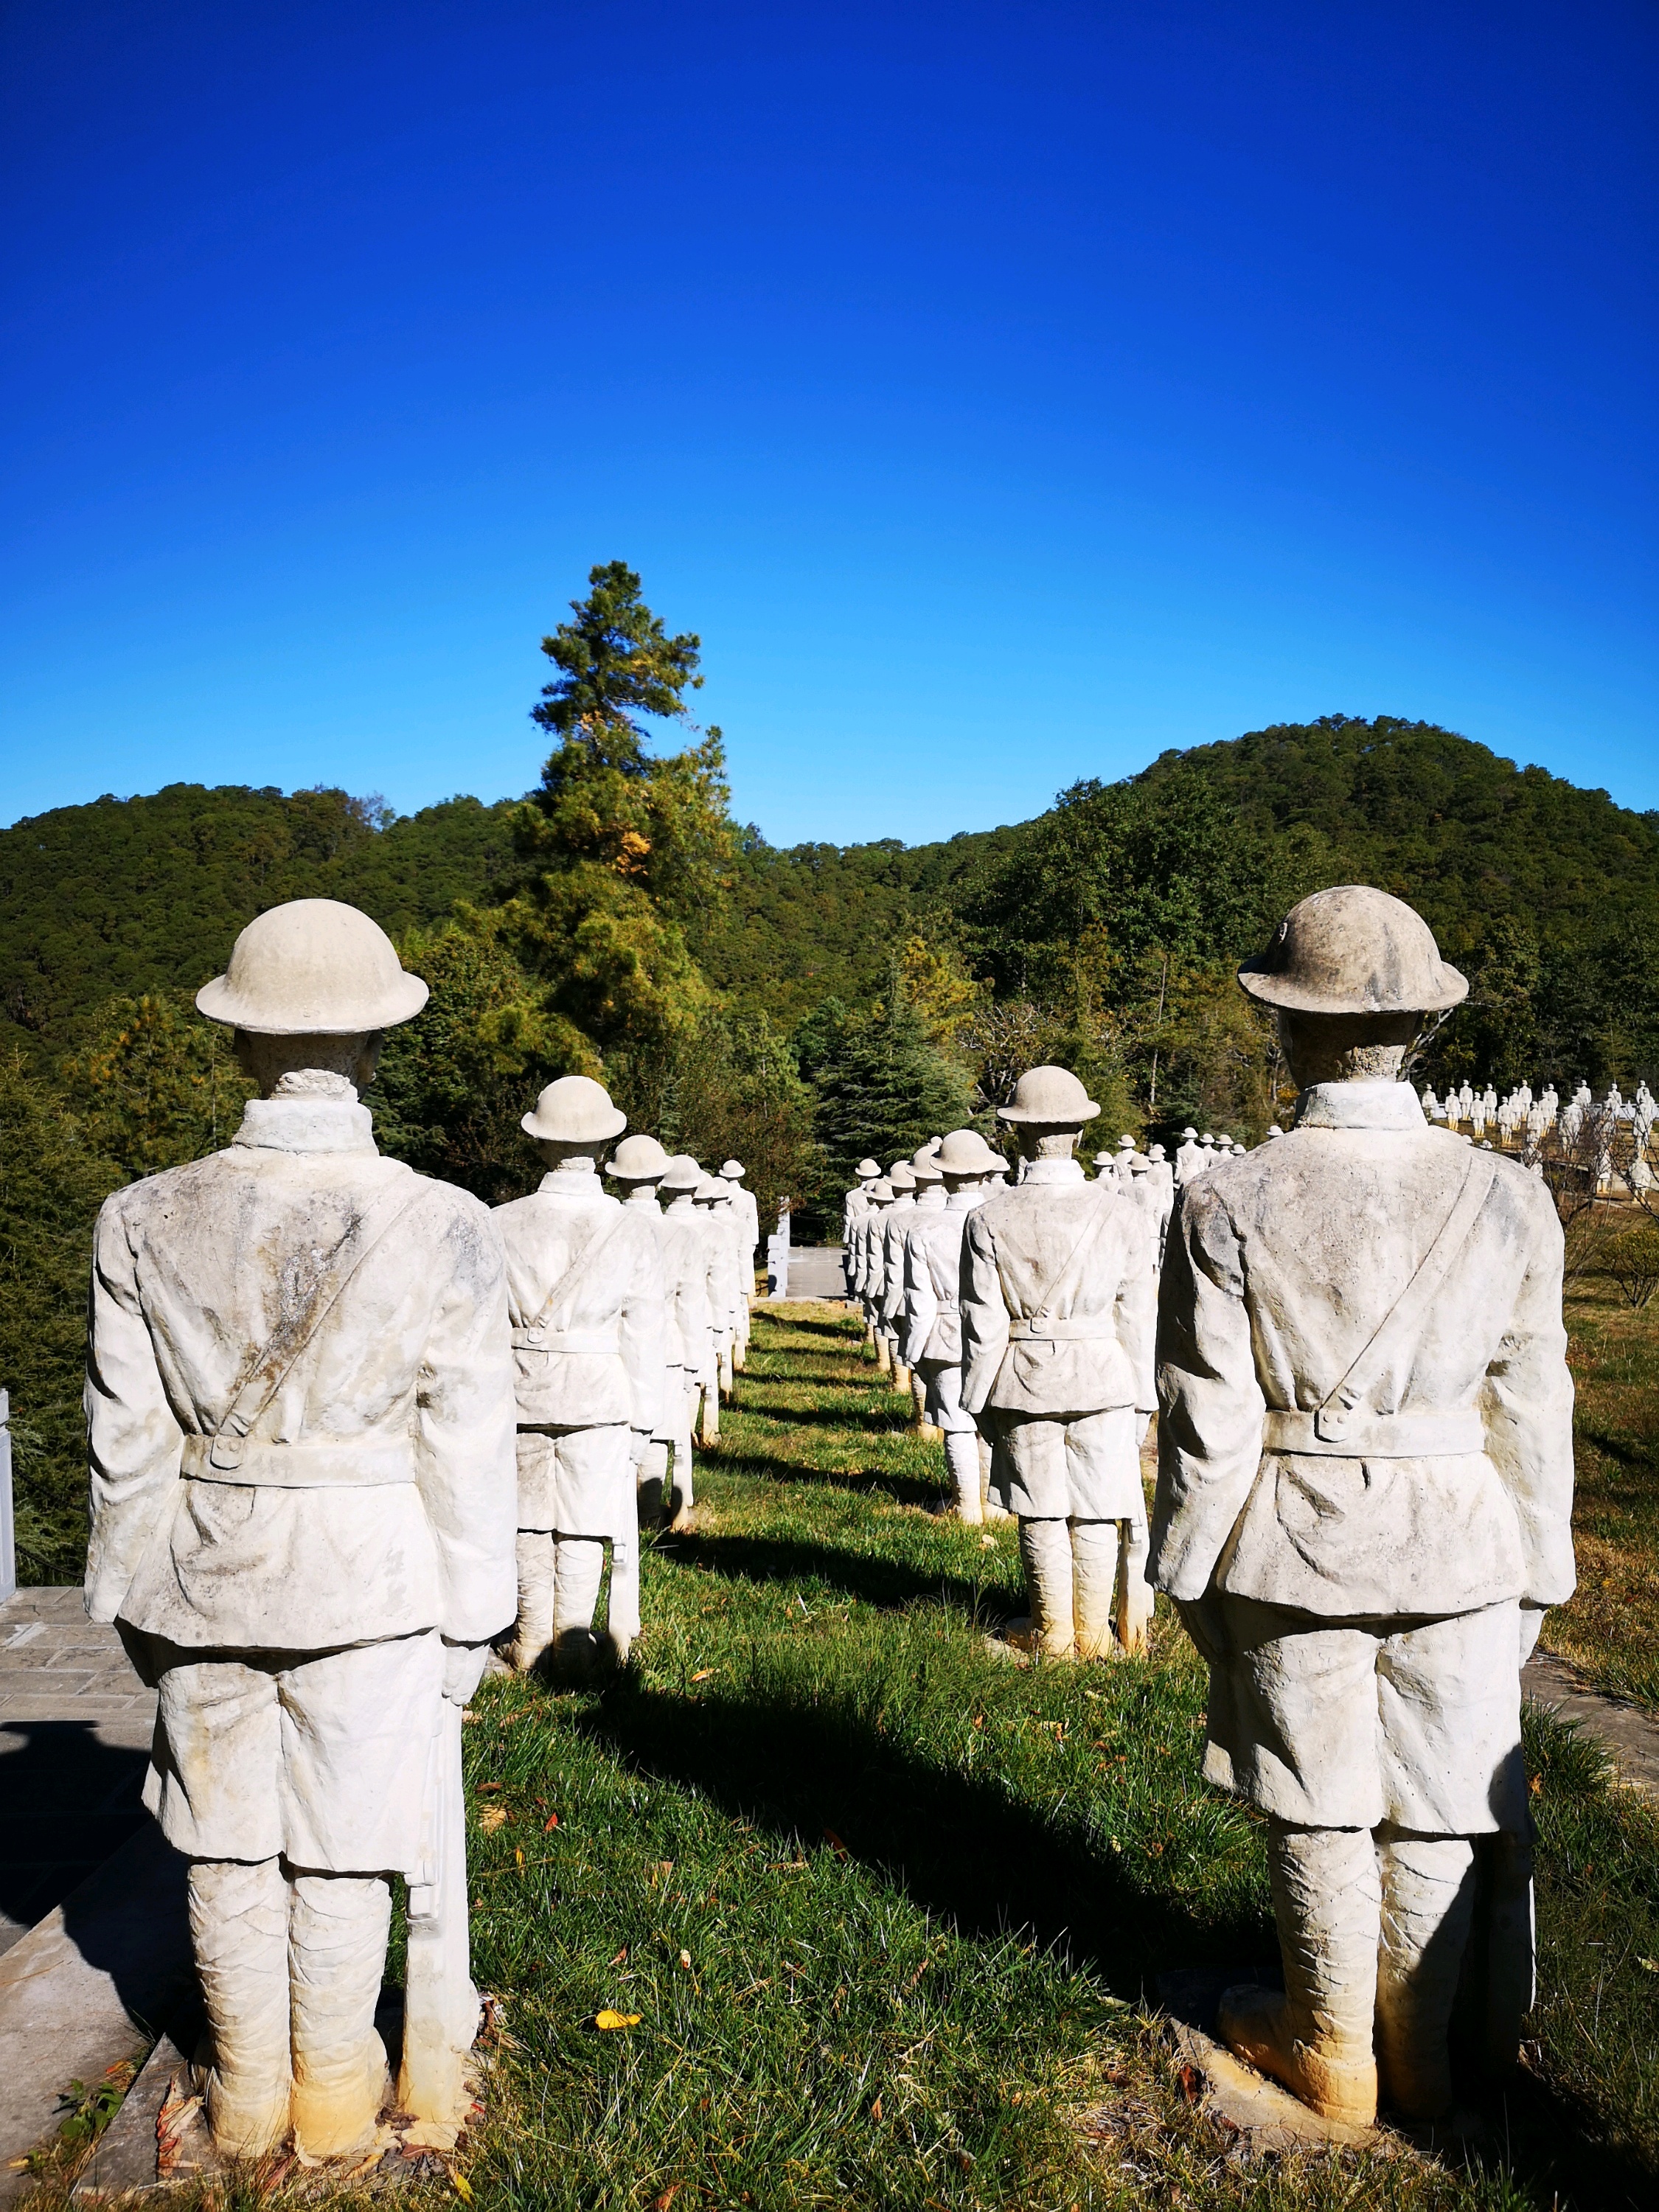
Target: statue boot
<point x="652" y="1485"/>
<point x="579" y="1569"/>
<point x="1428" y="1904"/>
<point x="884" y="1353"/>
<point x="238" y="1916"/>
<point x="337" y="1954"/>
<point x="1316" y="2035"/>
<point x="533" y="1630"/>
<point x="1134" y="1592"/>
<point x="1094" y="1560"/>
<point x="962" y="1464"/>
<point x="1045" y="1552"/>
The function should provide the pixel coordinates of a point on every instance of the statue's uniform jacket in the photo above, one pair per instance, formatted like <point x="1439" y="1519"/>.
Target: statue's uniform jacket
<point x="932" y="1340"/>
<point x="887" y="1262"/>
<point x="1057" y="1312"/>
<point x="292" y="1609"/>
<point x="867" y="1233"/>
<point x="1369" y="1668"/>
<point x="746" y="1209"/>
<point x="587" y="1350"/>
<point x="685" y="1263"/>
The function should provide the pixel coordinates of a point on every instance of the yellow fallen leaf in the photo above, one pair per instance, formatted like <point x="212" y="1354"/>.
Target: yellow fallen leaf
<point x="462" y="2187"/>
<point x="702" y="1674"/>
<point x="608" y="2018"/>
<point x="519" y="1855"/>
<point x="492" y="1817"/>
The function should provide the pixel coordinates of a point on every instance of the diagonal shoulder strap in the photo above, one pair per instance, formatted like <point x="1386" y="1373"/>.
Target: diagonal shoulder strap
<point x="1404" y="1317"/>
<point x="575" y="1276"/>
<point x="264" y="1373"/>
<point x="1064" y="1284"/>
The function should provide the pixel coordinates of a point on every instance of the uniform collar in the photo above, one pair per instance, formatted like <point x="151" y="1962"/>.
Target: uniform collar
<point x="307" y="1124"/>
<point x="1360" y="1106"/>
<point x="581" y="1182"/>
<point x="1051" y="1171"/>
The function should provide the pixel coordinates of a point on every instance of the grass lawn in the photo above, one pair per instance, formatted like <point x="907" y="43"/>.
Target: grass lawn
<point x="1611" y="1629"/>
<point x="885" y="1909"/>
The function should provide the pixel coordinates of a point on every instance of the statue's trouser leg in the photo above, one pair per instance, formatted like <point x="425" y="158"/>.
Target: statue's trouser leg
<point x="1134" y="1592"/>
<point x="1428" y="1902"/>
<point x="708" y="1427"/>
<point x="725" y="1384"/>
<point x="652" y="1483"/>
<point x="919" y="1395"/>
<point x="1317" y="2037"/>
<point x="961" y="1461"/>
<point x="1095" y="1548"/>
<point x="992" y="1508"/>
<point x="337" y="1951"/>
<point x="1045" y="1550"/>
<point x="883" y="1350"/>
<point x="684" y="1494"/>
<point x="239" y="1916"/>
<point x="534" y="1631"/>
<point x="579" y="1569"/>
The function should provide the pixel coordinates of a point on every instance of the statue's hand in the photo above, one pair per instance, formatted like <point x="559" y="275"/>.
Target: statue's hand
<point x="463" y="1666"/>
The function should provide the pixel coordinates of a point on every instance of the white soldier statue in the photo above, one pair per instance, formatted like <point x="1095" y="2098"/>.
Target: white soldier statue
<point x="685" y="1260"/>
<point x="866" y="1250"/>
<point x="886" y="1267"/>
<point x="585" y="1293"/>
<point x="932" y="1319"/>
<point x="1056" y="1298"/>
<point x="854" y="1207"/>
<point x="746" y="1210"/>
<point x="299" y="1403"/>
<point x="720" y="1234"/>
<point x="640" y="1166"/>
<point x="1363" y="1503"/>
<point x="926" y="1197"/>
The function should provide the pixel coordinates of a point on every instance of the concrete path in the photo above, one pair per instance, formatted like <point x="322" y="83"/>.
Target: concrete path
<point x="74" y="1730"/>
<point x="1631" y="1735"/>
<point x="815" y="1272"/>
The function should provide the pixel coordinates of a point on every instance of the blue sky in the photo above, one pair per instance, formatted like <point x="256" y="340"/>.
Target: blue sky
<point x="1004" y="392"/>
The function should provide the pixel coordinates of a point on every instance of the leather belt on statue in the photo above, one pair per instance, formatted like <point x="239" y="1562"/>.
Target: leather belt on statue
<point x="1334" y="1433"/>
<point x="1098" y="1331"/>
<point x="326" y="1463"/>
<point x="572" y="1341"/>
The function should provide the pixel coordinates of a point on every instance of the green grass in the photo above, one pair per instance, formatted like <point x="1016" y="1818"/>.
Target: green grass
<point x="890" y="1907"/>
<point x="1610" y="1630"/>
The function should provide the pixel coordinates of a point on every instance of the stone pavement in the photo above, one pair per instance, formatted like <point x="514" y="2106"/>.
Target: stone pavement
<point x="815" y="1272"/>
<point x="75" y="1731"/>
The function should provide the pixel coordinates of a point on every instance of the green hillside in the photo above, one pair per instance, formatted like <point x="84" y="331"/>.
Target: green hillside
<point x="134" y="895"/>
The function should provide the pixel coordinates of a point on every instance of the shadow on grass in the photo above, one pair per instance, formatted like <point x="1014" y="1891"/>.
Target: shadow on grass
<point x="902" y="1489"/>
<point x="1634" y="1453"/>
<point x="888" y="1585"/>
<point x="960" y="1849"/>
<point x="873" y="1419"/>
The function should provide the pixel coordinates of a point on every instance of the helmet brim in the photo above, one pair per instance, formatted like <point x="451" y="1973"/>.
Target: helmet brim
<point x="595" y="1132"/>
<point x="399" y="1002"/>
<point x="1076" y="1119"/>
<point x="1264" y="984"/>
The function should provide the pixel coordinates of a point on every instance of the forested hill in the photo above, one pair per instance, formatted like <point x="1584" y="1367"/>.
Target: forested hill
<point x="134" y="895"/>
<point x="125" y="895"/>
<point x="1463" y="835"/>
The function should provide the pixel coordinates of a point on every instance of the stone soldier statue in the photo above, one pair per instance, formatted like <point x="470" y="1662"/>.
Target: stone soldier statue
<point x="1364" y="1500"/>
<point x="584" y="1292"/>
<point x="866" y="1233"/>
<point x="686" y="1260"/>
<point x="887" y="1254"/>
<point x="854" y="1207"/>
<point x="928" y="1198"/>
<point x="722" y="1232"/>
<point x="641" y="1164"/>
<point x="932" y="1319"/>
<point x="299" y="1404"/>
<point x="1056" y="1300"/>
<point x="745" y="1212"/>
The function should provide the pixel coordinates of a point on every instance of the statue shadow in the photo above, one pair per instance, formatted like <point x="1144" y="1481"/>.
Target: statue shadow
<point x="902" y="1489"/>
<point x="888" y="1585"/>
<point x="872" y="1420"/>
<point x="959" y="1849"/>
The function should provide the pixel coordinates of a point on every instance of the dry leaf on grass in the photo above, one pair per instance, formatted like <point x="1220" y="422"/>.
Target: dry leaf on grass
<point x="491" y="1818"/>
<point x="607" y="2019"/>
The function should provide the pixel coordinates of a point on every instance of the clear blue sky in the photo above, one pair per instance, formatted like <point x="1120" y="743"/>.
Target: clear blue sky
<point x="1005" y="393"/>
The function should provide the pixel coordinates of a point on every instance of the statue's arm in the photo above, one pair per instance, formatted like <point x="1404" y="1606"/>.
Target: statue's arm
<point x="465" y="1456"/>
<point x="644" y="1330"/>
<point x="1136" y="1316"/>
<point x="984" y="1315"/>
<point x="921" y="1305"/>
<point x="1526" y="1409"/>
<point x="1210" y="1403"/>
<point x="133" y="1442"/>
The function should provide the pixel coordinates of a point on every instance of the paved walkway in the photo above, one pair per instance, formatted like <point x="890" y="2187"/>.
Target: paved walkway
<point x="74" y="1730"/>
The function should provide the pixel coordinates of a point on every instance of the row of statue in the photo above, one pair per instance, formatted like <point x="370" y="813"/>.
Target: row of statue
<point x="346" y="1426"/>
<point x="1522" y="1116"/>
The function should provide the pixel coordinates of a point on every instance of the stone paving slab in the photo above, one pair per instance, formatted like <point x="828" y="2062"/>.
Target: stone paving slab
<point x="1631" y="1735"/>
<point x="75" y="1731"/>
